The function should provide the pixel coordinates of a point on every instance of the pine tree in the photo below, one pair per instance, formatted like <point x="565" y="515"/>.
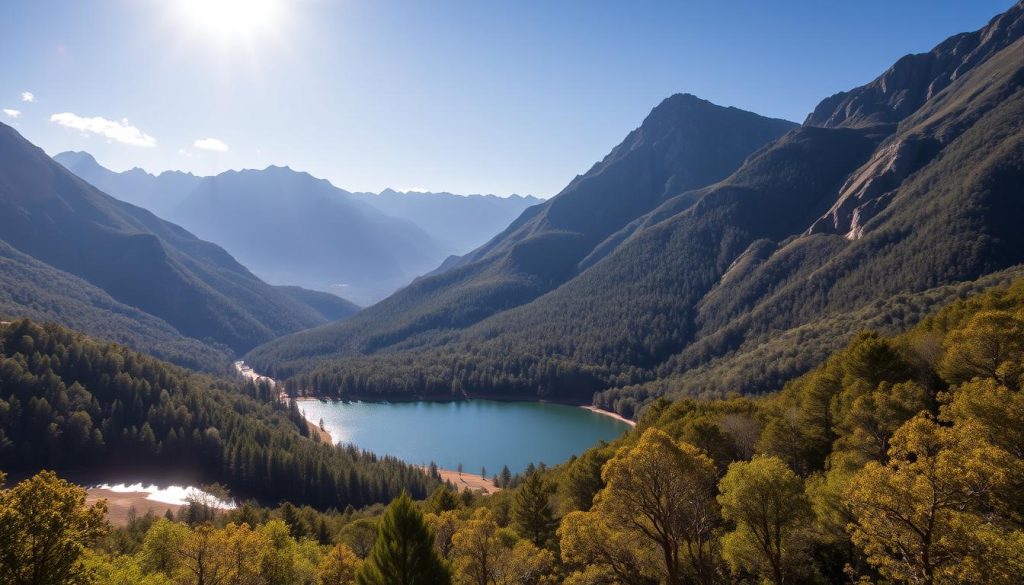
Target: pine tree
<point x="532" y="513"/>
<point x="404" y="553"/>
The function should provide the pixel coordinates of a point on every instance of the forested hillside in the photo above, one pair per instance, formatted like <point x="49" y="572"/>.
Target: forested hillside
<point x="139" y="260"/>
<point x="819" y="226"/>
<point x="684" y="143"/>
<point x="70" y="403"/>
<point x="897" y="461"/>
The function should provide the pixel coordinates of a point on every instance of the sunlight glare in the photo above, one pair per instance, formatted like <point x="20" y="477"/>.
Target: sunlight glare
<point x="233" y="18"/>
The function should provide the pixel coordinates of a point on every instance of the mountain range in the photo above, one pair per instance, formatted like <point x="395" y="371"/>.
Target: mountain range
<point x="715" y="251"/>
<point x="291" y="228"/>
<point x="72" y="253"/>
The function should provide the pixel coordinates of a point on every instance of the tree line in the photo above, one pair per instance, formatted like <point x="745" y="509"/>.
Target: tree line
<point x="68" y="402"/>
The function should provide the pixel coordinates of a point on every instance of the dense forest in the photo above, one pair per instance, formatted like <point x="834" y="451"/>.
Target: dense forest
<point x="68" y="402"/>
<point x="899" y="460"/>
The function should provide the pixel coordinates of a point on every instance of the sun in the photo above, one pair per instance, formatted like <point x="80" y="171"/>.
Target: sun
<point x="233" y="18"/>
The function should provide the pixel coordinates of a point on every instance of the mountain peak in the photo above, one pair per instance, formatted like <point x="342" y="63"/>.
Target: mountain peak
<point x="914" y="79"/>
<point x="76" y="159"/>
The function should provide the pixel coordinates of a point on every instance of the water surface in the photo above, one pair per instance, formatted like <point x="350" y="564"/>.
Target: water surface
<point x="475" y="433"/>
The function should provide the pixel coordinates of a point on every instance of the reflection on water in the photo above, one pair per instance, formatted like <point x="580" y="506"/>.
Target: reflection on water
<point x="177" y="495"/>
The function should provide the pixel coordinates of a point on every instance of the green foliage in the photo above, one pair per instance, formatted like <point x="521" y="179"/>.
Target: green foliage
<point x="68" y="401"/>
<point x="765" y="500"/>
<point x="532" y="512"/>
<point x="45" y="529"/>
<point x="404" y="553"/>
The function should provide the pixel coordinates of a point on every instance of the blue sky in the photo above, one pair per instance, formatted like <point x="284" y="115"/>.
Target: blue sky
<point x="467" y="96"/>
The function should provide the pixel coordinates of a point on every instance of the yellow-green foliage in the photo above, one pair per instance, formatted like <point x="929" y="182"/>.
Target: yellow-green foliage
<point x="898" y="460"/>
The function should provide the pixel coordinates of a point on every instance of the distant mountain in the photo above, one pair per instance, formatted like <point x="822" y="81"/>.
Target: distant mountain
<point x="685" y="143"/>
<point x="331" y="307"/>
<point x="53" y="222"/>
<point x="157" y="193"/>
<point x="890" y="199"/>
<point x="457" y="223"/>
<point x="293" y="229"/>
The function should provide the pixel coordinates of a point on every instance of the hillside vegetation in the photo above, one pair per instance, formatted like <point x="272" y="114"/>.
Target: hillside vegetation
<point x="70" y="403"/>
<point x="840" y="215"/>
<point x="900" y="460"/>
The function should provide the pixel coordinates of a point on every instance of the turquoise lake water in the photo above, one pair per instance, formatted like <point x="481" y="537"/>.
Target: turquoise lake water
<point x="476" y="433"/>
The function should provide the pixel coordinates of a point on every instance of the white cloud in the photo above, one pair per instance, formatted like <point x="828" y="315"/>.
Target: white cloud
<point x="183" y="152"/>
<point x="211" y="144"/>
<point x="117" y="131"/>
<point x="28" y="96"/>
<point x="12" y="113"/>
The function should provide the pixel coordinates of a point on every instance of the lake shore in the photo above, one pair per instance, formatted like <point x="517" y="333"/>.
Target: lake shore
<point x="120" y="504"/>
<point x="459" y="480"/>
<point x="590" y="407"/>
<point x="465" y="480"/>
<point x="609" y="413"/>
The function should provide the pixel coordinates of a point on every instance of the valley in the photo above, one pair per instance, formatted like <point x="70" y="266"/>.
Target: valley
<point x="734" y="349"/>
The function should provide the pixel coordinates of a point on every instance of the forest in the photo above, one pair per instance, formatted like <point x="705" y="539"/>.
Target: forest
<point x="70" y="403"/>
<point x="898" y="460"/>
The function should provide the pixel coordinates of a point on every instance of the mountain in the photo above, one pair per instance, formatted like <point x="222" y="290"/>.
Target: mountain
<point x="293" y="229"/>
<point x="33" y="290"/>
<point x="457" y="223"/>
<point x="890" y="198"/>
<point x="157" y="193"/>
<point x="331" y="307"/>
<point x="51" y="221"/>
<point x="684" y="143"/>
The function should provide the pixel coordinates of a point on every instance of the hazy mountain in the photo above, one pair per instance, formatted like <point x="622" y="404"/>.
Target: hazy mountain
<point x="457" y="223"/>
<point x="332" y="307"/>
<point x="881" y="203"/>
<point x="139" y="260"/>
<point x="157" y="193"/>
<point x="291" y="228"/>
<point x="684" y="143"/>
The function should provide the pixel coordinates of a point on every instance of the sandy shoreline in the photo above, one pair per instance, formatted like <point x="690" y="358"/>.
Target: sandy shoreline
<point x="466" y="480"/>
<point x="119" y="504"/>
<point x="609" y="414"/>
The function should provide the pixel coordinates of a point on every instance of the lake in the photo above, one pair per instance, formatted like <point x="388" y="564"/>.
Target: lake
<point x="475" y="433"/>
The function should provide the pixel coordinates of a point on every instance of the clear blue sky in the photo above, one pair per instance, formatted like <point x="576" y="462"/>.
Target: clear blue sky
<point x="507" y="96"/>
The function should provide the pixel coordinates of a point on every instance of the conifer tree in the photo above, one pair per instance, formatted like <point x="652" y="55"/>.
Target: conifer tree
<point x="532" y="513"/>
<point x="404" y="553"/>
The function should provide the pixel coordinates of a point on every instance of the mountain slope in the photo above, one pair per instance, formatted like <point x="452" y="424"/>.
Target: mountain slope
<point x="887" y="200"/>
<point x="331" y="307"/>
<point x="457" y="223"/>
<point x="157" y="193"/>
<point x="32" y="290"/>
<point x="138" y="259"/>
<point x="291" y="228"/>
<point x="684" y="143"/>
